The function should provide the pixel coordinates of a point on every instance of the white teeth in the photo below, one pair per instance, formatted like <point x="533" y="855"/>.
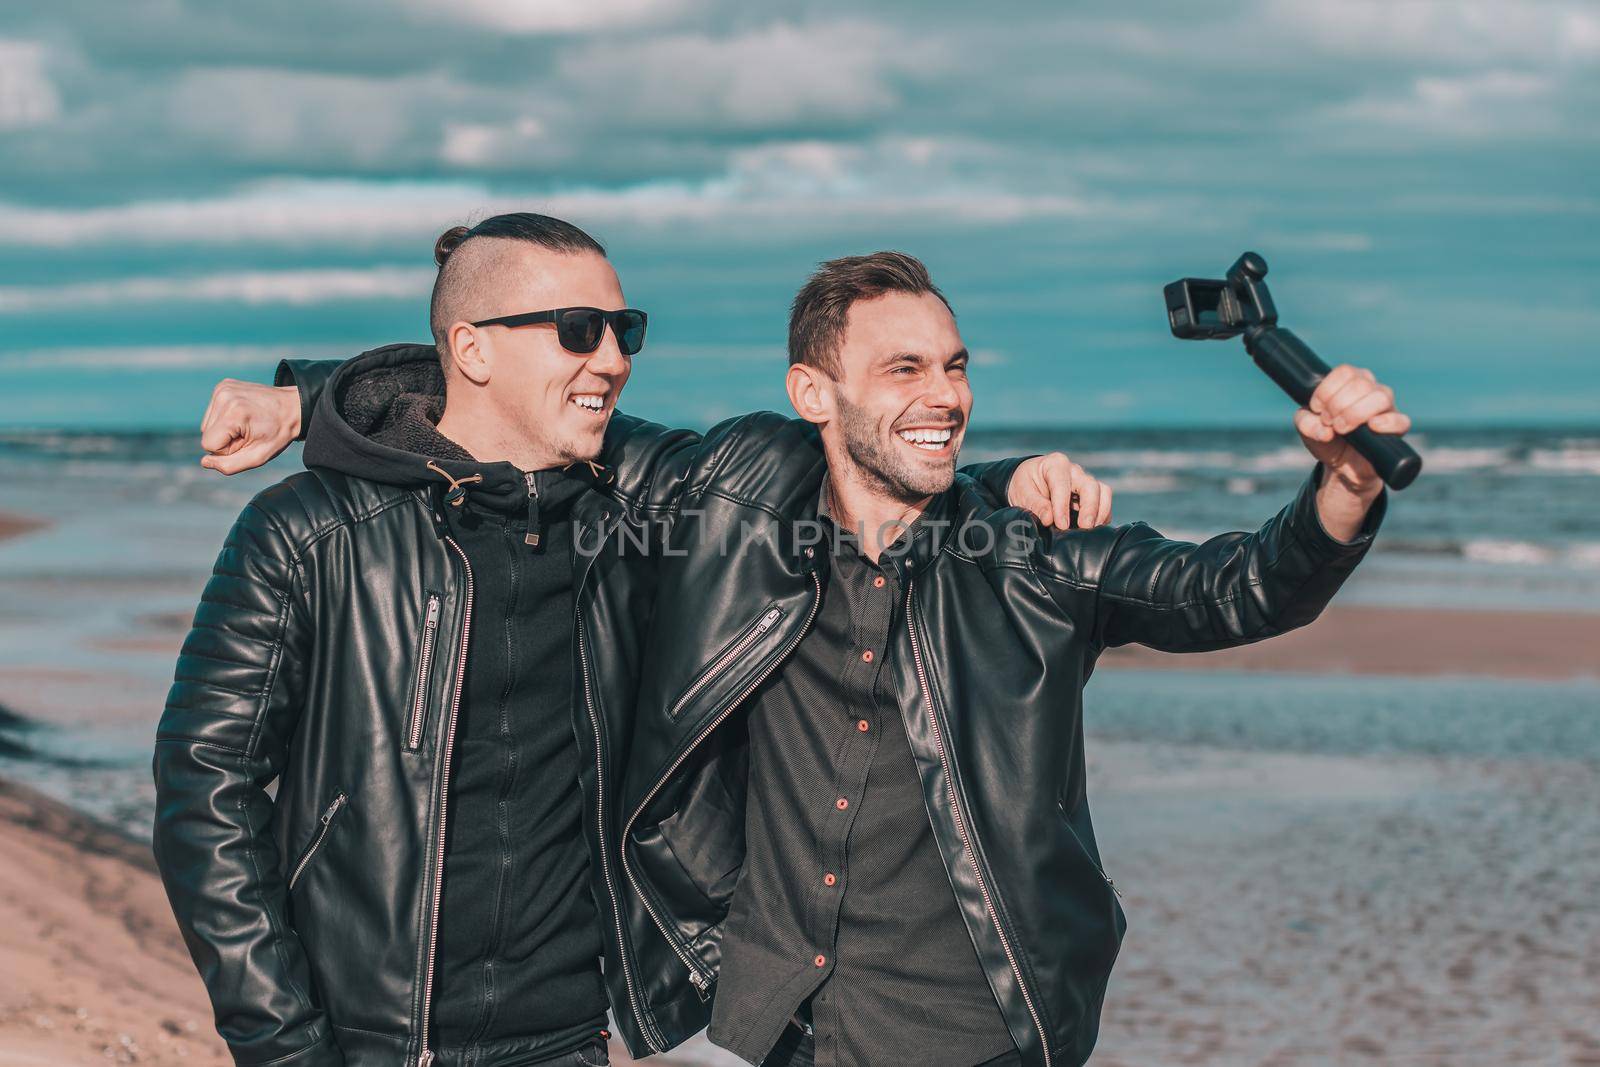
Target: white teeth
<point x="589" y="401"/>
<point x="927" y="440"/>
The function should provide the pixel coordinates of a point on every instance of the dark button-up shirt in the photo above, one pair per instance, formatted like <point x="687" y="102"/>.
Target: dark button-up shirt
<point x="844" y="908"/>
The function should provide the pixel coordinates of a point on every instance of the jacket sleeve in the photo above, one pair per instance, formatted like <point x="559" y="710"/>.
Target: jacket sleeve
<point x="993" y="479"/>
<point x="222" y="740"/>
<point x="651" y="463"/>
<point x="1233" y="589"/>
<point x="308" y="376"/>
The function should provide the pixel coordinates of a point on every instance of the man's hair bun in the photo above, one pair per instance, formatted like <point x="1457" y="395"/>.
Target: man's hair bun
<point x="448" y="242"/>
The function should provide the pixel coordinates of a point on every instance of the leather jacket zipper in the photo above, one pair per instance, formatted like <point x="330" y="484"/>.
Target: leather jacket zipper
<point x="326" y="819"/>
<point x="531" y="537"/>
<point x="645" y="1024"/>
<point x="961" y="825"/>
<point x="697" y="975"/>
<point x="425" y="1056"/>
<point x="419" y="700"/>
<point x="1062" y="808"/>
<point x="722" y="662"/>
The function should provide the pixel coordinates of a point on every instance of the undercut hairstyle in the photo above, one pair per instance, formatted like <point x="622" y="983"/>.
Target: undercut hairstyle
<point x="821" y="310"/>
<point x="467" y="264"/>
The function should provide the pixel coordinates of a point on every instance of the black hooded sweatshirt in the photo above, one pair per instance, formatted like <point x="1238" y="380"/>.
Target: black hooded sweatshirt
<point x="519" y="941"/>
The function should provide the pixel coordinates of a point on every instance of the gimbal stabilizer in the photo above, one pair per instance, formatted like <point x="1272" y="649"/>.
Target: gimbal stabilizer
<point x="1200" y="309"/>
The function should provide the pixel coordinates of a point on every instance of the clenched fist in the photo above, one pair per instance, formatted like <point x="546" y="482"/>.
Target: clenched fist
<point x="247" y="424"/>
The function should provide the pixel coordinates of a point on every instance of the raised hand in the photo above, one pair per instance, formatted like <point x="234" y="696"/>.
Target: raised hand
<point x="1347" y="398"/>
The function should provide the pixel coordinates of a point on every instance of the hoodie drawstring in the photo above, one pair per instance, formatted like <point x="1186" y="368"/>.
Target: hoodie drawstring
<point x="457" y="494"/>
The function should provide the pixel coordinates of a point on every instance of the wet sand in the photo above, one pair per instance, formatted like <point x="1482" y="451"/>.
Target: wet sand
<point x="1368" y="639"/>
<point x="14" y="525"/>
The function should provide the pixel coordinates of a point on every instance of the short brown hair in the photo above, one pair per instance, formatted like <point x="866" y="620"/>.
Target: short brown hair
<point x="821" y="308"/>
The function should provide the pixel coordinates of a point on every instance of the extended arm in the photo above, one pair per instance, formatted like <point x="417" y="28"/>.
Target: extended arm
<point x="1233" y="589"/>
<point x="1138" y="586"/>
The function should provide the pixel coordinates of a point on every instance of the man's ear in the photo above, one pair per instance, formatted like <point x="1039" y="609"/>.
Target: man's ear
<point x="466" y="354"/>
<point x="811" y="393"/>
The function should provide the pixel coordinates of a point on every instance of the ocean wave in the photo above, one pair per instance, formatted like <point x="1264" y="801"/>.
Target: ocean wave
<point x="1575" y="458"/>
<point x="1579" y="555"/>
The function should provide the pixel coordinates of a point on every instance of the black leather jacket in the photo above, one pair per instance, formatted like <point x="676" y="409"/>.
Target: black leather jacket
<point x="311" y="915"/>
<point x="1003" y="632"/>
<point x="327" y="654"/>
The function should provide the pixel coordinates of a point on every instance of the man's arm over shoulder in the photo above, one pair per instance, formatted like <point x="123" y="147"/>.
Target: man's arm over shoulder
<point x="657" y="468"/>
<point x="1232" y="589"/>
<point x="223" y="737"/>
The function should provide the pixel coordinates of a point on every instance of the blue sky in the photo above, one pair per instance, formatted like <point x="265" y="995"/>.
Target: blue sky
<point x="189" y="189"/>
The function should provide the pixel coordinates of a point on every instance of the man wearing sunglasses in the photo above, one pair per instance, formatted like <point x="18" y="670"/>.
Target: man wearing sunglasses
<point x="409" y="642"/>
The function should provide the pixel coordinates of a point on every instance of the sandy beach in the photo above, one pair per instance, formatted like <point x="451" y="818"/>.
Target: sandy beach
<point x="1368" y="639"/>
<point x="91" y="966"/>
<point x="13" y="525"/>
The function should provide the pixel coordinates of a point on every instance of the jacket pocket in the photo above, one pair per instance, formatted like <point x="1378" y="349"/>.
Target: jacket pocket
<point x="726" y="659"/>
<point x="418" y="719"/>
<point x="1066" y="820"/>
<point x="329" y="813"/>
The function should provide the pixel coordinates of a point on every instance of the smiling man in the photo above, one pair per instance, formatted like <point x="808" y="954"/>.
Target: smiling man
<point x="409" y="641"/>
<point x="418" y="890"/>
<point x="856" y="804"/>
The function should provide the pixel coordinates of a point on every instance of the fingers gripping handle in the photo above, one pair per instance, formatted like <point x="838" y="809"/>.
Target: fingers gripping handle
<point x="1298" y="370"/>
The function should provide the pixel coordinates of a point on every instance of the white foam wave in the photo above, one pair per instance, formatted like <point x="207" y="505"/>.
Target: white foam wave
<point x="1573" y="458"/>
<point x="1583" y="554"/>
<point x="1141" y="482"/>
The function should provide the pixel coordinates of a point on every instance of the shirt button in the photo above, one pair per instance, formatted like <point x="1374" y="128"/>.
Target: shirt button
<point x="829" y="879"/>
<point x="877" y="583"/>
<point x="821" y="961"/>
<point x="863" y="725"/>
<point x="866" y="657"/>
<point x="841" y="803"/>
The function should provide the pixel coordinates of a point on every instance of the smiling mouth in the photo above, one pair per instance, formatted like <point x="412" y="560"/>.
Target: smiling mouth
<point x="925" y="439"/>
<point x="589" y="403"/>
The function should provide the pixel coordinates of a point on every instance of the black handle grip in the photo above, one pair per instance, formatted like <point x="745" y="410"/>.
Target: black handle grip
<point x="1298" y="370"/>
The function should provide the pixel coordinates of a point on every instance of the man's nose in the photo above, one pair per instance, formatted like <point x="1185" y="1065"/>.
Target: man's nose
<point x="608" y="358"/>
<point x="942" y="391"/>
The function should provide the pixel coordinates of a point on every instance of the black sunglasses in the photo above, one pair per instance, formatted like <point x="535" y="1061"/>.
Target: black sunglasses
<point x="580" y="329"/>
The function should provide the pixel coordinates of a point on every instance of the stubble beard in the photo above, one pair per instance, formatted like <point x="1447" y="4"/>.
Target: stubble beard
<point x="881" y="464"/>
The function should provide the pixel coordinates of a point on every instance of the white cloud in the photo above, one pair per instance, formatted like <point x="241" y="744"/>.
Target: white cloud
<point x="267" y="114"/>
<point x="280" y="212"/>
<point x="472" y="144"/>
<point x="783" y="187"/>
<point x="165" y="357"/>
<point x="295" y="287"/>
<point x="27" y="96"/>
<point x="772" y="77"/>
<point x="1469" y="32"/>
<point x="554" y="16"/>
<point x="1493" y="103"/>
